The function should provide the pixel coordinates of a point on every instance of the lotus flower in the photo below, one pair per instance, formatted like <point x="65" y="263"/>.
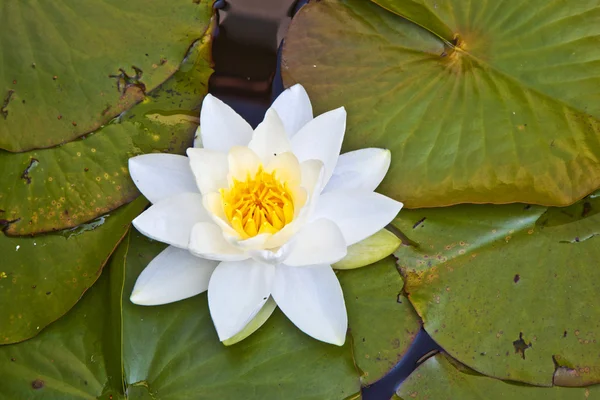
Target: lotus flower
<point x="257" y="216"/>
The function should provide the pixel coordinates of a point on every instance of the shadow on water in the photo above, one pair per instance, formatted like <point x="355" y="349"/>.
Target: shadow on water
<point x="247" y="55"/>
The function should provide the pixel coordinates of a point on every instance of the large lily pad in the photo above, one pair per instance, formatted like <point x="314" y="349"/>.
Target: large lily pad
<point x="76" y="358"/>
<point x="69" y="68"/>
<point x="479" y="103"/>
<point x="42" y="277"/>
<point x="172" y="351"/>
<point x="443" y="378"/>
<point x="510" y="290"/>
<point x="52" y="189"/>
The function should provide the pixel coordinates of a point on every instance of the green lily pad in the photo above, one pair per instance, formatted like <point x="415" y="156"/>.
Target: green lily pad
<point x="479" y="103"/>
<point x="42" y="277"/>
<point x="440" y="377"/>
<point x="382" y="322"/>
<point x="70" y="68"/>
<point x="509" y="290"/>
<point x="79" y="356"/>
<point x="61" y="187"/>
<point x="172" y="351"/>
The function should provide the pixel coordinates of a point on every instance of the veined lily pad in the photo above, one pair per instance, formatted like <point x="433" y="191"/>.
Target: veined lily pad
<point x="52" y="189"/>
<point x="79" y="356"/>
<point x="172" y="351"/>
<point x="510" y="291"/>
<point x="70" y="67"/>
<point x="440" y="377"/>
<point x="42" y="277"/>
<point x="479" y="103"/>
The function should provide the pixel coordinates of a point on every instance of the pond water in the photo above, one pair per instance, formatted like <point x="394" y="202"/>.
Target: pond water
<point x="246" y="52"/>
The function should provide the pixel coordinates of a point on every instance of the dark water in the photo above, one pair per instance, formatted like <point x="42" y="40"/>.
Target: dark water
<point x="246" y="52"/>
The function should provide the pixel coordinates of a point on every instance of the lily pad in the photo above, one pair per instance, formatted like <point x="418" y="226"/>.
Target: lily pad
<point x="479" y="103"/>
<point x="173" y="351"/>
<point x="61" y="187"/>
<point x="70" y="68"/>
<point x="79" y="356"/>
<point x="42" y="277"/>
<point x="382" y="322"/>
<point x="440" y="377"/>
<point x="509" y="290"/>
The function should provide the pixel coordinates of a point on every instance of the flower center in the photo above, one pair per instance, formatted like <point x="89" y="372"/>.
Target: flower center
<point x="260" y="204"/>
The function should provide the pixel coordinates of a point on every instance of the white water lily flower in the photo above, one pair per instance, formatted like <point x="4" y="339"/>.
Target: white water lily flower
<point x="260" y="214"/>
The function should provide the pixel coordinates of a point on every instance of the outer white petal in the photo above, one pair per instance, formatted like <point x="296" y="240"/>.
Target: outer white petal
<point x="259" y="319"/>
<point x="236" y="293"/>
<point x="311" y="297"/>
<point x="159" y="176"/>
<point x="294" y="108"/>
<point x="207" y="241"/>
<point x="209" y="168"/>
<point x="359" y="214"/>
<point x="320" y="242"/>
<point x="171" y="220"/>
<point x="173" y="275"/>
<point x="321" y="139"/>
<point x="361" y="169"/>
<point x="221" y="127"/>
<point x="269" y="138"/>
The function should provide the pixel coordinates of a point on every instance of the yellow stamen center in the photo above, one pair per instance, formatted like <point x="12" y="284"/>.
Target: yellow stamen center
<point x="260" y="204"/>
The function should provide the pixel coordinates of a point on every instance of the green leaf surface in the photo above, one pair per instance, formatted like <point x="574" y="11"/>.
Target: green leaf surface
<point x="382" y="322"/>
<point x="68" y="68"/>
<point x="443" y="378"/>
<point x="79" y="356"/>
<point x="71" y="184"/>
<point x="509" y="290"/>
<point x="508" y="112"/>
<point x="172" y="351"/>
<point x="42" y="277"/>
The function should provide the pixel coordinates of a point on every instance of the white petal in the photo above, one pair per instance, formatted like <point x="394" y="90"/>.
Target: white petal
<point x="286" y="168"/>
<point x="173" y="275"/>
<point x="269" y="138"/>
<point x="236" y="293"/>
<point x="311" y="297"/>
<point x="361" y="169"/>
<point x="294" y="108"/>
<point x="221" y="127"/>
<point x="210" y="169"/>
<point x="207" y="241"/>
<point x="259" y="319"/>
<point x="243" y="162"/>
<point x="320" y="242"/>
<point x="321" y="139"/>
<point x="171" y="220"/>
<point x="273" y="257"/>
<point x="159" y="176"/>
<point x="359" y="214"/>
<point x="313" y="172"/>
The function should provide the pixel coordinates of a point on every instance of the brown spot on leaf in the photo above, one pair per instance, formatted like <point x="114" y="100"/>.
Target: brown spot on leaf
<point x="520" y="345"/>
<point x="37" y="384"/>
<point x="25" y="175"/>
<point x="419" y="222"/>
<point x="3" y="109"/>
